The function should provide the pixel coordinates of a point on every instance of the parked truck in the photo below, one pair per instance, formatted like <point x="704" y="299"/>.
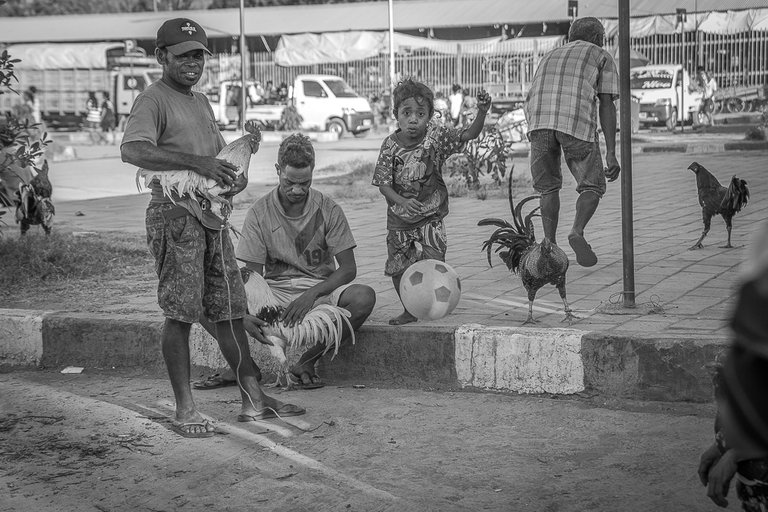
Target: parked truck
<point x="63" y="74"/>
<point x="665" y="95"/>
<point x="324" y="102"/>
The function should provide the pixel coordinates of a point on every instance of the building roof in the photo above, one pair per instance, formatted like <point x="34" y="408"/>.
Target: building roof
<point x="408" y="15"/>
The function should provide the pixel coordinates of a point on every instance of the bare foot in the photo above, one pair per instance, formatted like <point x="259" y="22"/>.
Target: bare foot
<point x="404" y="318"/>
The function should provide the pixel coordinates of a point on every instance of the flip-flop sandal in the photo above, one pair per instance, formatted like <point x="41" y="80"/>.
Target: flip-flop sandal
<point x="584" y="254"/>
<point x="298" y="383"/>
<point x="284" y="411"/>
<point x="213" y="382"/>
<point x="179" y="428"/>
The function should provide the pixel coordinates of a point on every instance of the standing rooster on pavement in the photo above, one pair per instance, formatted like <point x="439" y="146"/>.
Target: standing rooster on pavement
<point x="715" y="199"/>
<point x="536" y="263"/>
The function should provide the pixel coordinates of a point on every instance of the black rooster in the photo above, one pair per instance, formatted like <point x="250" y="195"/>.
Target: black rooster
<point x="715" y="199"/>
<point x="536" y="263"/>
<point x="33" y="202"/>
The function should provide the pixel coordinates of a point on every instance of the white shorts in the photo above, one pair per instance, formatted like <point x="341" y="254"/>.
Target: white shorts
<point x="260" y="292"/>
<point x="288" y="290"/>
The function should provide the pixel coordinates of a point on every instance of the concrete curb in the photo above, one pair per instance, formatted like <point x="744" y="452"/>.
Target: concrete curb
<point x="470" y="356"/>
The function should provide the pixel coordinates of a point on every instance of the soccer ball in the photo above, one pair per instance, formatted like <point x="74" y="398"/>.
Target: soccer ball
<point x="430" y="289"/>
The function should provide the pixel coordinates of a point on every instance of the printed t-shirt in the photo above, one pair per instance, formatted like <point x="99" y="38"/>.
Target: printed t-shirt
<point x="563" y="94"/>
<point x="417" y="172"/>
<point x="290" y="247"/>
<point x="174" y="121"/>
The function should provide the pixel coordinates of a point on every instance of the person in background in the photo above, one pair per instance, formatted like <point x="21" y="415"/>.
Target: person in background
<point x="708" y="87"/>
<point x="107" y="122"/>
<point x="34" y="104"/>
<point x="456" y="99"/>
<point x="409" y="174"/>
<point x="468" y="108"/>
<point x="442" y="109"/>
<point x="93" y="118"/>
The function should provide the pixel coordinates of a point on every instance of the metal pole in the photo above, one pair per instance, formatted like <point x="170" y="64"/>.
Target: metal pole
<point x="243" y="83"/>
<point x="391" y="46"/>
<point x="625" y="102"/>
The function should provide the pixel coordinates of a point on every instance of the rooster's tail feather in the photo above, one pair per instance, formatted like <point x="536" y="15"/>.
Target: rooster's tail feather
<point x="737" y="195"/>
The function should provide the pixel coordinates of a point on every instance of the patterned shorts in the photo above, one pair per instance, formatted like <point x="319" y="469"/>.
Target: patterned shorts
<point x="582" y="158"/>
<point x="196" y="266"/>
<point x="406" y="247"/>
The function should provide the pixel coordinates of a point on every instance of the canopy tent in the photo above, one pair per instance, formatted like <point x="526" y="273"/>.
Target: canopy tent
<point x="728" y="22"/>
<point x="636" y="58"/>
<point x="306" y="49"/>
<point x="336" y="17"/>
<point x="61" y="56"/>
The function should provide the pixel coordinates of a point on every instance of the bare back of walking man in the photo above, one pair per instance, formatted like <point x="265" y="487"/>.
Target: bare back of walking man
<point x="574" y="86"/>
<point x="172" y="128"/>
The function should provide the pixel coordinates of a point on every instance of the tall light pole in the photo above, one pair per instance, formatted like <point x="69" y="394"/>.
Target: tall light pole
<point x="391" y="46"/>
<point x="243" y="85"/>
<point x="625" y="130"/>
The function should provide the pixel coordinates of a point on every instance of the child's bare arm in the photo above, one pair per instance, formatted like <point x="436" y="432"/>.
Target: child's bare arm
<point x="483" y="105"/>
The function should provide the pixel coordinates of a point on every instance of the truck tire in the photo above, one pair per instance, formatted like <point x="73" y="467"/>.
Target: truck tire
<point x="734" y="105"/>
<point x="336" y="126"/>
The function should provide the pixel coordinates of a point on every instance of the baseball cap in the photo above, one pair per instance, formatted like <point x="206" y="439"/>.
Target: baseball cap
<point x="181" y="35"/>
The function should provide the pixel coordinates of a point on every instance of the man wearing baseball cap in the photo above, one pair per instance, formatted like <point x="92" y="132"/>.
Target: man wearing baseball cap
<point x="181" y="35"/>
<point x="172" y="127"/>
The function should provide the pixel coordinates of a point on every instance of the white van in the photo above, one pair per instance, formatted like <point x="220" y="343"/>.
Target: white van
<point x="665" y="95"/>
<point x="325" y="103"/>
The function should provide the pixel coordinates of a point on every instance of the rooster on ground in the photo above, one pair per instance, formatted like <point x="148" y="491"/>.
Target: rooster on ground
<point x="33" y="202"/>
<point x="323" y="324"/>
<point x="536" y="263"/>
<point x="715" y="199"/>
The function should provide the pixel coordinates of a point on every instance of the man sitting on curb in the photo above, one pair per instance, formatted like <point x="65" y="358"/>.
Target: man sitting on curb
<point x="291" y="237"/>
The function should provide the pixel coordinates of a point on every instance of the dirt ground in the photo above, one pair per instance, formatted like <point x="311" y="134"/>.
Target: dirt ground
<point x="100" y="441"/>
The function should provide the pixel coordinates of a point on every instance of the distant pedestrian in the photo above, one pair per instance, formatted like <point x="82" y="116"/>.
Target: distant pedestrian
<point x="107" y="122"/>
<point x="93" y="117"/>
<point x="442" y="109"/>
<point x="468" y="108"/>
<point x="456" y="99"/>
<point x="708" y="87"/>
<point x="34" y="104"/>
<point x="409" y="174"/>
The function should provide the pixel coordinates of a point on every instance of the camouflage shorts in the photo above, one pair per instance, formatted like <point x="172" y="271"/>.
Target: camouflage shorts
<point x="196" y="266"/>
<point x="406" y="247"/>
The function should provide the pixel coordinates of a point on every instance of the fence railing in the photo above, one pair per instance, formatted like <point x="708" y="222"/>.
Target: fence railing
<point x="735" y="60"/>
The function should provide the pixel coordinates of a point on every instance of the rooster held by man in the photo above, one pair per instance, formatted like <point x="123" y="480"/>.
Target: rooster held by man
<point x="715" y="199"/>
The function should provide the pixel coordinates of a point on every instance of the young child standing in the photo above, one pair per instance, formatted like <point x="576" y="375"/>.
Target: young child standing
<point x="409" y="174"/>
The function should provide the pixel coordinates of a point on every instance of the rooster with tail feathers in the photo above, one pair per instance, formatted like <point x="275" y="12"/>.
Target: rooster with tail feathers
<point x="323" y="324"/>
<point x="537" y="264"/>
<point x="715" y="199"/>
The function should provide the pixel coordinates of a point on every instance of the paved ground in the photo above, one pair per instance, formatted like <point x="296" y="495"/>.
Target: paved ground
<point x="677" y="291"/>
